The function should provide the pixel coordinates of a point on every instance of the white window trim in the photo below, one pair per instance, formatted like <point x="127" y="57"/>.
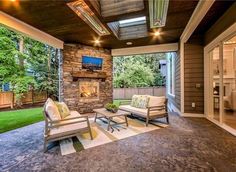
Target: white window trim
<point x="171" y="91"/>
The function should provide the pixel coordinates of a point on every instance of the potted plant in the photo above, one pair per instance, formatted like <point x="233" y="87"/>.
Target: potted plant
<point x="111" y="107"/>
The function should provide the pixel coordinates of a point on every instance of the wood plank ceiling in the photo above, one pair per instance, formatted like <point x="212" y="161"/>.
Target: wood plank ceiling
<point x="58" y="20"/>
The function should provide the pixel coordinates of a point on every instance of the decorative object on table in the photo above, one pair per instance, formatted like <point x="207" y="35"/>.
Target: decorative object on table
<point x="111" y="107"/>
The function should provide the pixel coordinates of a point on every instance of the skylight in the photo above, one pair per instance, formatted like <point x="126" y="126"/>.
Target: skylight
<point x="133" y="21"/>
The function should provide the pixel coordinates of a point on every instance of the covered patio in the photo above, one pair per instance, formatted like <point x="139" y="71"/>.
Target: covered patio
<point x="190" y="125"/>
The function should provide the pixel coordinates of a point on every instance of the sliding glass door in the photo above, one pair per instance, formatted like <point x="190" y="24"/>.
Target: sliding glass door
<point x="229" y="82"/>
<point x="223" y="83"/>
<point x="215" y="90"/>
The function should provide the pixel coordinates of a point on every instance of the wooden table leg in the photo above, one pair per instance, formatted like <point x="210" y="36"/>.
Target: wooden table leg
<point x="126" y="120"/>
<point x="109" y="121"/>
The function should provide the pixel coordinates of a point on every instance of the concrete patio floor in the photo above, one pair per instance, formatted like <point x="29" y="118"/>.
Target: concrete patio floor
<point x="188" y="144"/>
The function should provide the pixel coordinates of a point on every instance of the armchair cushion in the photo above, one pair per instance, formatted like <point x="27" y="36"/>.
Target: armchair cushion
<point x="66" y="130"/>
<point x="52" y="110"/>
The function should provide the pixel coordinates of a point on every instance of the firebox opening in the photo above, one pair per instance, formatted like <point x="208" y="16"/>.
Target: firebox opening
<point x="88" y="91"/>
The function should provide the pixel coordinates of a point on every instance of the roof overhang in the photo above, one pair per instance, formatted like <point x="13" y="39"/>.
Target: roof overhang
<point x="29" y="31"/>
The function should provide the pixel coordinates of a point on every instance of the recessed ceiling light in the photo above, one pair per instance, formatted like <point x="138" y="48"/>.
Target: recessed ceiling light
<point x="157" y="33"/>
<point x="129" y="43"/>
<point x="97" y="41"/>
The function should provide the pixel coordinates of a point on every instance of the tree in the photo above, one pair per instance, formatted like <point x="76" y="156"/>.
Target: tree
<point x="148" y="64"/>
<point x="43" y="65"/>
<point x="136" y="75"/>
<point x="26" y="63"/>
<point x="11" y="65"/>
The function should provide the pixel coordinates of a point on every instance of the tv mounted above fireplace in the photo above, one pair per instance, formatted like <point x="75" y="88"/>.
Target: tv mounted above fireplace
<point x="92" y="63"/>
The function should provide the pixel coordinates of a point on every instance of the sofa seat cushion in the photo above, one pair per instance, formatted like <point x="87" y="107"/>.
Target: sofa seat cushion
<point x="66" y="130"/>
<point x="139" y="111"/>
<point x="52" y="110"/>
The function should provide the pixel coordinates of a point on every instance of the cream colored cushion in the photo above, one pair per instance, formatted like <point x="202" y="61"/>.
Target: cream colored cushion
<point x="63" y="109"/>
<point x="67" y="130"/>
<point x="139" y="111"/>
<point x="156" y="101"/>
<point x="73" y="114"/>
<point x="52" y="110"/>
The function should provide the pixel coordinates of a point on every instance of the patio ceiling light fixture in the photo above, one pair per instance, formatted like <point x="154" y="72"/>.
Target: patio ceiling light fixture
<point x="97" y="41"/>
<point x="86" y="14"/>
<point x="157" y="33"/>
<point x="158" y="12"/>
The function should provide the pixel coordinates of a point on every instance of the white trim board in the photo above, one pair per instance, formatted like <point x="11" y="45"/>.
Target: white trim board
<point x="30" y="31"/>
<point x="225" y="127"/>
<point x="181" y="76"/>
<point x="200" y="11"/>
<point x="145" y="49"/>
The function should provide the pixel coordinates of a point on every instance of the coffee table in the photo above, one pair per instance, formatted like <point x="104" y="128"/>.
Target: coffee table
<point x="103" y="113"/>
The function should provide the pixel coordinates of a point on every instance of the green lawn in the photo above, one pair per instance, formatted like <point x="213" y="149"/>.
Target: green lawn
<point x="10" y="120"/>
<point x="117" y="102"/>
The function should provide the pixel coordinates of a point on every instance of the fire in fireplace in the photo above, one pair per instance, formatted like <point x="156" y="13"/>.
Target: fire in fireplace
<point x="88" y="90"/>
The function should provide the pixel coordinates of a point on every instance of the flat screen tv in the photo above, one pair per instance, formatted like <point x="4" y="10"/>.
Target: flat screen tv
<point x="92" y="63"/>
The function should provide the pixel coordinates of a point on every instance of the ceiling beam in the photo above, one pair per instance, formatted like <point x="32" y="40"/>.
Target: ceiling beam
<point x="29" y="31"/>
<point x="145" y="49"/>
<point x="198" y="14"/>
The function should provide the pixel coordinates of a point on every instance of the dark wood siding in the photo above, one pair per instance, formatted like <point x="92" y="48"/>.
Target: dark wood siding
<point x="176" y="101"/>
<point x="193" y="74"/>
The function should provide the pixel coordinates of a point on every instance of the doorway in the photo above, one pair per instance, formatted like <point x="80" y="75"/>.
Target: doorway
<point x="221" y="83"/>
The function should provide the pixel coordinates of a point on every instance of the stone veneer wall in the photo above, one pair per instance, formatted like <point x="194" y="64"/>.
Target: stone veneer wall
<point x="72" y="62"/>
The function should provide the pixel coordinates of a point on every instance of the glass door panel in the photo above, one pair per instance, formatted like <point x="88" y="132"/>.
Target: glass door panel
<point x="215" y="83"/>
<point x="229" y="82"/>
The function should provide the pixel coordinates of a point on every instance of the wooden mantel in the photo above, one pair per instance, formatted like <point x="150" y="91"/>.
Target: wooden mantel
<point x="89" y="74"/>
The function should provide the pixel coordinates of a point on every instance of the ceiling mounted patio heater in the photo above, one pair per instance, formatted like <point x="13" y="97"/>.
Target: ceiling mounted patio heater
<point x="86" y="14"/>
<point x="158" y="12"/>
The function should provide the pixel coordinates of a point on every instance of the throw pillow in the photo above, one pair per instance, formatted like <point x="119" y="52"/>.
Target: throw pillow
<point x="143" y="102"/>
<point x="63" y="109"/>
<point x="134" y="101"/>
<point x="140" y="101"/>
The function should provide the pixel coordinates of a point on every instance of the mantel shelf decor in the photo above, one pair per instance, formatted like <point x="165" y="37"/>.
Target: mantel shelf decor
<point x="89" y="74"/>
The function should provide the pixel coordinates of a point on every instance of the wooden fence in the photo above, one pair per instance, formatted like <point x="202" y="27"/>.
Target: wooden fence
<point x="127" y="93"/>
<point x="7" y="99"/>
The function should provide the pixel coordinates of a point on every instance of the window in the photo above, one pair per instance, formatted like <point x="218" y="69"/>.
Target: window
<point x="171" y="73"/>
<point x="132" y="22"/>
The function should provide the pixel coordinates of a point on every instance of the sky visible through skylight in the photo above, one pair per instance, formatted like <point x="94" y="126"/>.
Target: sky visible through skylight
<point x="132" y="20"/>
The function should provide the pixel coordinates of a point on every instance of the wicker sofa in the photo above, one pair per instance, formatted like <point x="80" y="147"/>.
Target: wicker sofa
<point x="156" y="107"/>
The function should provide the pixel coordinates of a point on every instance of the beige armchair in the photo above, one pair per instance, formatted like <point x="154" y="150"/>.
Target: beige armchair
<point x="58" y="129"/>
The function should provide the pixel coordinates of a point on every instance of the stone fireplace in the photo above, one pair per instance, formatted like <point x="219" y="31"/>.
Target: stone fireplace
<point x="84" y="90"/>
<point x="88" y="91"/>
